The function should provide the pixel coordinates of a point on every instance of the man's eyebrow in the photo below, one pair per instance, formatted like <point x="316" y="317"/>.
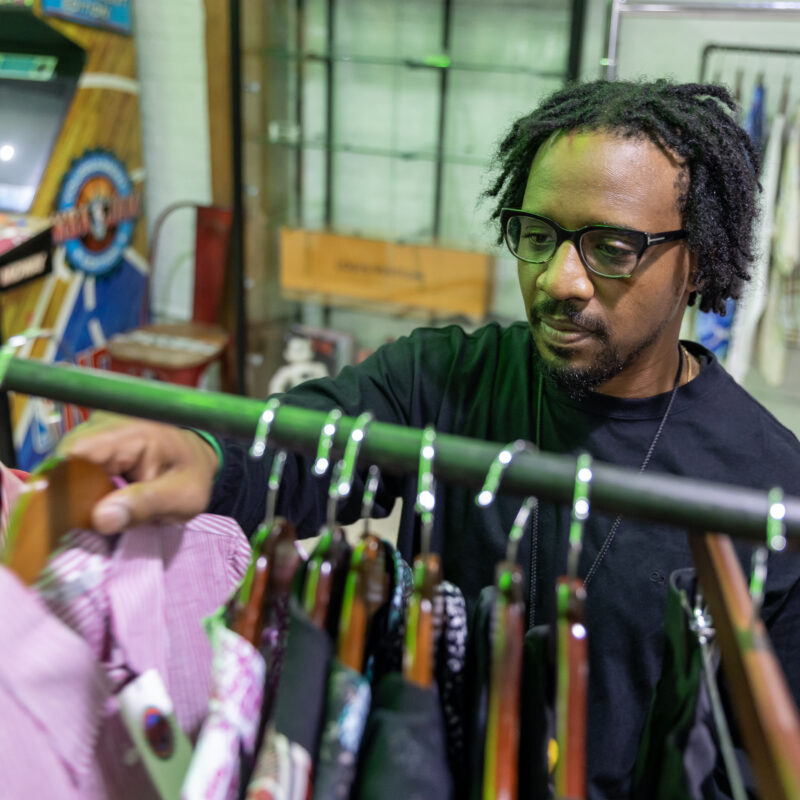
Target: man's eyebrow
<point x="605" y="223"/>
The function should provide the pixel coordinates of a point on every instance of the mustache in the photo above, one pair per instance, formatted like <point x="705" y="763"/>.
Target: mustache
<point x="565" y="310"/>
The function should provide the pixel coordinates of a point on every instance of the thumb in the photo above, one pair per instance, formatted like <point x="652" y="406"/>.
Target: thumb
<point x="173" y="494"/>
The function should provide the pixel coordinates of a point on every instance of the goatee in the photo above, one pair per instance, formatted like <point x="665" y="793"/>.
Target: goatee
<point x="577" y="381"/>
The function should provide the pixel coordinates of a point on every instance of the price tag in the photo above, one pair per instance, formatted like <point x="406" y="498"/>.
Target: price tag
<point x="149" y="717"/>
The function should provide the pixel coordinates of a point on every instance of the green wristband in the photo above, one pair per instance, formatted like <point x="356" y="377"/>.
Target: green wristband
<point x="212" y="440"/>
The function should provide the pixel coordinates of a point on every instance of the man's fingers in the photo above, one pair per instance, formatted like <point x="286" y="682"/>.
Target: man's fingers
<point x="172" y="495"/>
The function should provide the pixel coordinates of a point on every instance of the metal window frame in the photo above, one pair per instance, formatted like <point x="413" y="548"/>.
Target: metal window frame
<point x="618" y="9"/>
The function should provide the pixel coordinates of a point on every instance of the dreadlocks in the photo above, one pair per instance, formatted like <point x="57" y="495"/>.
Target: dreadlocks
<point x="694" y="121"/>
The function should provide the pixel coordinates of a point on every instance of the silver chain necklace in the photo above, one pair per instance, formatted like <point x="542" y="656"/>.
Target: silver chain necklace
<point x="601" y="553"/>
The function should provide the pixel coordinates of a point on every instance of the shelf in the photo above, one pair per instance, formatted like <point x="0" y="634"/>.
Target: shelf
<point x="384" y="152"/>
<point x="432" y="62"/>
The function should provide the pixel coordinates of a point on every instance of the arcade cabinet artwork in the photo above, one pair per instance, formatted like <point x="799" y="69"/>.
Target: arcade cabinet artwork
<point x="71" y="180"/>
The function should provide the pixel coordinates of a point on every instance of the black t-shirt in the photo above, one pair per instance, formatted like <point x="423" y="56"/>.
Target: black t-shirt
<point x="485" y="385"/>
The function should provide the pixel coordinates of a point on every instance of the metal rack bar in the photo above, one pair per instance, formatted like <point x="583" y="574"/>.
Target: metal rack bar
<point x="685" y="502"/>
<point x="237" y="231"/>
<point x="444" y="80"/>
<point x="576" y="27"/>
<point x="329" y="114"/>
<point x="709" y="49"/>
<point x="434" y="63"/>
<point x="299" y="97"/>
<point x="618" y="8"/>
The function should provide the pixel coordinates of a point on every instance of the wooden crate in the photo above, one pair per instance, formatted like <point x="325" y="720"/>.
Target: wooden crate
<point x="338" y="267"/>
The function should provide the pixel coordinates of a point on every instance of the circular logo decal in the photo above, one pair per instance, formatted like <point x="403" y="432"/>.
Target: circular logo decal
<point x="96" y="212"/>
<point x="158" y="732"/>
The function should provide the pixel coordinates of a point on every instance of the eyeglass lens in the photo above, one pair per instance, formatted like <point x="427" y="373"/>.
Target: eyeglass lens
<point x="609" y="252"/>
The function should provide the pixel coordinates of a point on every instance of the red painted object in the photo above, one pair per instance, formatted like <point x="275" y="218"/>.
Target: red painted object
<point x="180" y="353"/>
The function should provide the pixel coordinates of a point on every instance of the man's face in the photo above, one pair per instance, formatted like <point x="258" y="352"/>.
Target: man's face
<point x="616" y="334"/>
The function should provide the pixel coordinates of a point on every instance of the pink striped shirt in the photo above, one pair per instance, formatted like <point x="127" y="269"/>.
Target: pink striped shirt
<point x="105" y="610"/>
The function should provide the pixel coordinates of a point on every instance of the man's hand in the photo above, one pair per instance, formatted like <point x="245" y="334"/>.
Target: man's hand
<point x="171" y="469"/>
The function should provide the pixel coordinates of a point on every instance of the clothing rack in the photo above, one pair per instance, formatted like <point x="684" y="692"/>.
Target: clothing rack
<point x="712" y="48"/>
<point x="618" y="9"/>
<point x="761" y="698"/>
<point x="686" y="502"/>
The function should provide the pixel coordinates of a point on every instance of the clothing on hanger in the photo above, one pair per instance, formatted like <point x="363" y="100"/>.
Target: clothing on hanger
<point x="537" y="715"/>
<point x="227" y="739"/>
<point x="778" y="320"/>
<point x="114" y="607"/>
<point x="477" y="689"/>
<point x="679" y="754"/>
<point x="450" y="647"/>
<point x="346" y="710"/>
<point x="302" y="685"/>
<point x="754" y="122"/>
<point x="404" y="753"/>
<point x="389" y="628"/>
<point x="754" y="295"/>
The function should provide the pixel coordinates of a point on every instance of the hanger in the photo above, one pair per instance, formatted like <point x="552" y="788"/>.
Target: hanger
<point x="737" y="90"/>
<point x="501" y="748"/>
<point x="317" y="582"/>
<point x="768" y="719"/>
<point x="702" y="626"/>
<point x="328" y="567"/>
<point x="572" y="660"/>
<point x="785" y="91"/>
<point x="367" y="586"/>
<point x="418" y="656"/>
<point x="58" y="497"/>
<point x="275" y="557"/>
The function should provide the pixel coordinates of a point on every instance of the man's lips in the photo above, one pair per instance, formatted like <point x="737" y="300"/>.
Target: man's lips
<point x="561" y="331"/>
<point x="562" y="324"/>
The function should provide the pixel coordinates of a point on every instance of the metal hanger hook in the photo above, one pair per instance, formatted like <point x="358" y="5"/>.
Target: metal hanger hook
<point x="342" y="479"/>
<point x="518" y="528"/>
<point x="326" y="435"/>
<point x="257" y="450"/>
<point x="259" y="446"/>
<point x="776" y="526"/>
<point x="426" y="487"/>
<point x="580" y="512"/>
<point x="491" y="485"/>
<point x="776" y="541"/>
<point x="13" y="343"/>
<point x="494" y="476"/>
<point x="370" y="489"/>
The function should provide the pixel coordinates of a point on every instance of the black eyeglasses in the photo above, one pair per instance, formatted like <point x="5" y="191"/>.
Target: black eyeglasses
<point x="604" y="249"/>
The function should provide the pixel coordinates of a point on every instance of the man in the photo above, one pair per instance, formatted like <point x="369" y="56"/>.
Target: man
<point x="623" y="203"/>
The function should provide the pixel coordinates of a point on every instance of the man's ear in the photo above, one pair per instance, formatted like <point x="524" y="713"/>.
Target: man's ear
<point x="694" y="284"/>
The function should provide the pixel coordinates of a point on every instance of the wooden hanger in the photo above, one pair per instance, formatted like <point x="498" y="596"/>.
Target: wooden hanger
<point x="325" y="579"/>
<point x="366" y="591"/>
<point x="764" y="707"/>
<point x="268" y="578"/>
<point x="418" y="654"/>
<point x="501" y="746"/>
<point x="58" y="497"/>
<point x="501" y="749"/>
<point x="418" y="651"/>
<point x="328" y="568"/>
<point x="572" y="659"/>
<point x="367" y="587"/>
<point x="572" y="679"/>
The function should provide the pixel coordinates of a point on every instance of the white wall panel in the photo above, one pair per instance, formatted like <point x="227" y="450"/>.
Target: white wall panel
<point x="170" y="45"/>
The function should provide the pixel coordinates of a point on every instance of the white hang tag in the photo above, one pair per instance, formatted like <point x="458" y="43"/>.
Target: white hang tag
<point x="149" y="717"/>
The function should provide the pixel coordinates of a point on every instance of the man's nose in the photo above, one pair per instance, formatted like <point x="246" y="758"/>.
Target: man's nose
<point x="564" y="276"/>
